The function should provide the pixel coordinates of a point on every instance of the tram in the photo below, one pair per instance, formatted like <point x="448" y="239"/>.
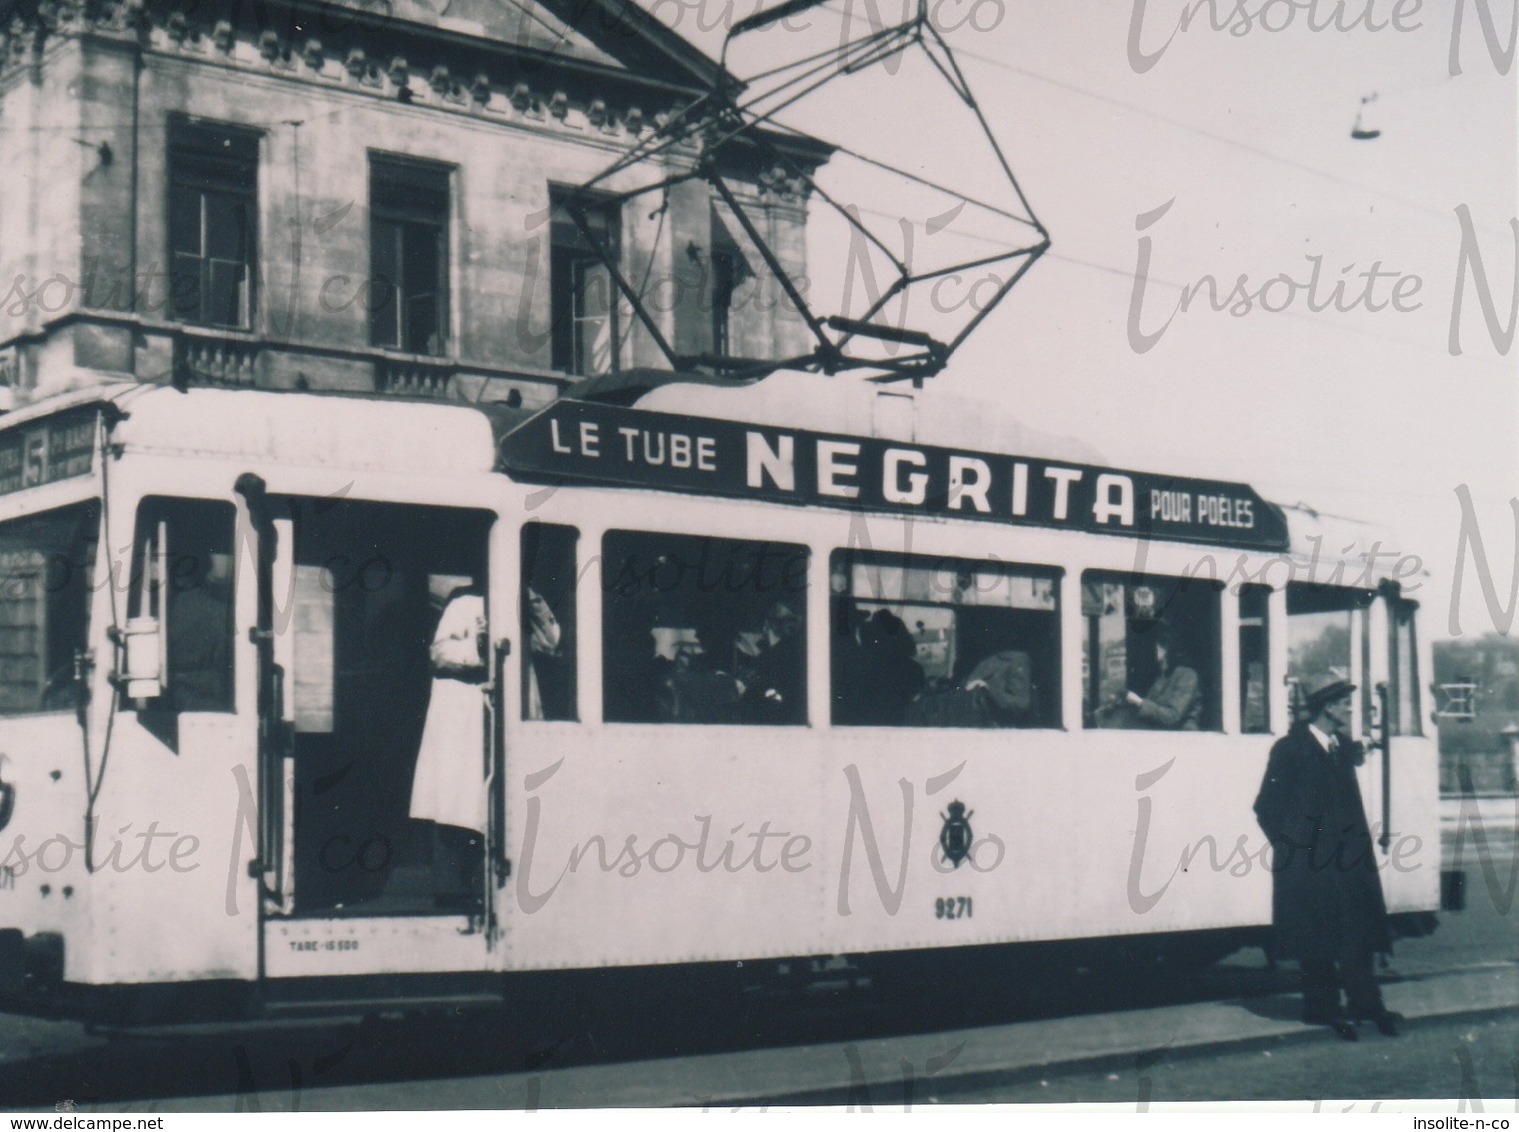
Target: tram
<point x="812" y="691"/>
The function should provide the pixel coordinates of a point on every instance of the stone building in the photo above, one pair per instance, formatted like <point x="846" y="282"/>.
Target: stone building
<point x="363" y="196"/>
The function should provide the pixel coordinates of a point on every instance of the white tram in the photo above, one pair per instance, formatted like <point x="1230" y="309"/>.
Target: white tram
<point x="215" y="622"/>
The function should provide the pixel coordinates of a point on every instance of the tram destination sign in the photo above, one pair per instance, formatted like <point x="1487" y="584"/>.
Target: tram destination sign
<point x="45" y="451"/>
<point x="585" y="442"/>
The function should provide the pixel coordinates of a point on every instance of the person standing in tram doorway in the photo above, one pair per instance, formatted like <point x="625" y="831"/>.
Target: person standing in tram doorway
<point x="447" y="789"/>
<point x="1327" y="907"/>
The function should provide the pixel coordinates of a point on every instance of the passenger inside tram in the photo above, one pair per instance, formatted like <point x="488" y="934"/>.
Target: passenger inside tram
<point x="876" y="671"/>
<point x="548" y="621"/>
<point x="768" y="668"/>
<point x="1151" y="652"/>
<point x="983" y="650"/>
<point x="1173" y="701"/>
<point x="997" y="692"/>
<point x="687" y="688"/>
<point x="546" y="660"/>
<point x="703" y="630"/>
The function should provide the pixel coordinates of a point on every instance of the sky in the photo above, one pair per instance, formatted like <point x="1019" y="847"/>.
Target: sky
<point x="1236" y="145"/>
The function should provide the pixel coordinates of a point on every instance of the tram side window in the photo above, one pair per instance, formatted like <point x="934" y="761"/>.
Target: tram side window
<point x="1326" y="625"/>
<point x="1254" y="659"/>
<point x="943" y="642"/>
<point x="700" y="629"/>
<point x="46" y="563"/>
<point x="183" y="552"/>
<point x="1403" y="688"/>
<point x="1150" y="652"/>
<point x="548" y="621"/>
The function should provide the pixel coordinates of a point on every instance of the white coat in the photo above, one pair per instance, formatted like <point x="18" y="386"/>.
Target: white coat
<point x="449" y="785"/>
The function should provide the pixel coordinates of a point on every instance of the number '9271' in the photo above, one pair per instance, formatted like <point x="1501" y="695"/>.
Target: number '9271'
<point x="952" y="908"/>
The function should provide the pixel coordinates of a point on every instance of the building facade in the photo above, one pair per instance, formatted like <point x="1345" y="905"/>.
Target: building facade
<point x="364" y="196"/>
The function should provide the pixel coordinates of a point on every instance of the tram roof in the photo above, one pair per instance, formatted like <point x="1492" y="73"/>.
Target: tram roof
<point x="854" y="408"/>
<point x="364" y="432"/>
<point x="309" y="429"/>
<point x="1371" y="553"/>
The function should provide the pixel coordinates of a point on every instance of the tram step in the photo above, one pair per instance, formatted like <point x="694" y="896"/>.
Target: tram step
<point x="294" y="1008"/>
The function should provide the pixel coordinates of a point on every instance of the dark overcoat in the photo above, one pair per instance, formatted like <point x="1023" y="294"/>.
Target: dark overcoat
<point x="1326" y="896"/>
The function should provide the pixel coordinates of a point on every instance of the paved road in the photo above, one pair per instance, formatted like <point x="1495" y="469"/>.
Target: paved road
<point x="1462" y="1058"/>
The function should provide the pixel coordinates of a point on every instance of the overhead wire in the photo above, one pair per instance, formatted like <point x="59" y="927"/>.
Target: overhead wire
<point x="1200" y="131"/>
<point x="1443" y="213"/>
<point x="1193" y="287"/>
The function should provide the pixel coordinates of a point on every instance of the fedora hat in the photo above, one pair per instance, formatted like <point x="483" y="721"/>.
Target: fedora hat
<point x="1324" y="689"/>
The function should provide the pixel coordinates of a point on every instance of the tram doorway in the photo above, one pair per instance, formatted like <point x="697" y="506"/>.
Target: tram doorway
<point x="375" y="588"/>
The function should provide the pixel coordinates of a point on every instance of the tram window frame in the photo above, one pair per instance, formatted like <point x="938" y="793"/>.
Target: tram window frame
<point x="1255" y="646"/>
<point x="60" y="627"/>
<point x="1202" y="645"/>
<point x="549" y="571"/>
<point x="1403" y="703"/>
<point x="1305" y="599"/>
<point x="953" y="690"/>
<point x="1368" y="701"/>
<point x="189" y="687"/>
<point x="662" y="628"/>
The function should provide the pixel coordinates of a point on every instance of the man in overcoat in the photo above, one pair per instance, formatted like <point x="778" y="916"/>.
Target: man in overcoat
<point x="1327" y="906"/>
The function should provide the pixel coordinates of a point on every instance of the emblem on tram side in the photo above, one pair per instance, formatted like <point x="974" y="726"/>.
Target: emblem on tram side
<point x="956" y="837"/>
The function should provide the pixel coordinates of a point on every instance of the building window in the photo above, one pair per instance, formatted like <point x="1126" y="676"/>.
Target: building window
<point x="213" y="208"/>
<point x="46" y="564"/>
<point x="548" y="621"/>
<point x="1150" y="652"/>
<point x="943" y="642"/>
<point x="724" y="273"/>
<point x="703" y="630"/>
<point x="1254" y="659"/>
<point x="182" y="574"/>
<point x="730" y="270"/>
<point x="408" y="240"/>
<point x="586" y="330"/>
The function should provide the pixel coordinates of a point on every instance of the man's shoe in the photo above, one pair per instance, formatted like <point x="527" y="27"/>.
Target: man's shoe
<point x="1323" y="1017"/>
<point x="1343" y="1027"/>
<point x="1344" y="1030"/>
<point x="1390" y="1023"/>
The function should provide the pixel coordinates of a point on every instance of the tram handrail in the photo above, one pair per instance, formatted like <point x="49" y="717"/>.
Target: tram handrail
<point x="1383" y="743"/>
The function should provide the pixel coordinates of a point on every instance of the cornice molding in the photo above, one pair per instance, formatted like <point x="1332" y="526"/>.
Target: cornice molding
<point x="508" y="84"/>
